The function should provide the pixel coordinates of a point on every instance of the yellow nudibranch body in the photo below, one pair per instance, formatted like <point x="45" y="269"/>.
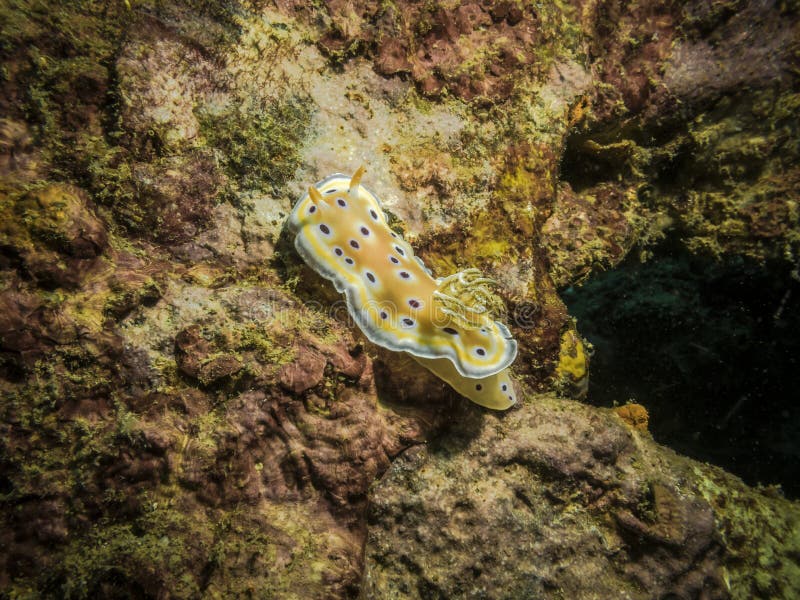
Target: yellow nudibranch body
<point x="342" y="232"/>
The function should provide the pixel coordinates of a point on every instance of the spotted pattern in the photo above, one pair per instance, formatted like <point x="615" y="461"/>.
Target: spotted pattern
<point x="402" y="284"/>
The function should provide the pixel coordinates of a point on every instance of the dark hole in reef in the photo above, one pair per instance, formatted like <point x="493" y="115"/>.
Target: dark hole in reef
<point x="11" y="368"/>
<point x="6" y="485"/>
<point x="609" y="154"/>
<point x="590" y="160"/>
<point x="110" y="582"/>
<point x="710" y="348"/>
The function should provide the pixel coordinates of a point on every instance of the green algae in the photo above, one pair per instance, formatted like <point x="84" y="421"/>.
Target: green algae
<point x="725" y="182"/>
<point x="59" y="61"/>
<point x="259" y="144"/>
<point x="148" y="536"/>
<point x="44" y="467"/>
<point x="124" y="298"/>
<point x="157" y="537"/>
<point x="253" y="336"/>
<point x="159" y="545"/>
<point x="759" y="528"/>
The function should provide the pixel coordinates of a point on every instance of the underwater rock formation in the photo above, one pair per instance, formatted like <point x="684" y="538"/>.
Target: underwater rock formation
<point x="562" y="500"/>
<point x="186" y="411"/>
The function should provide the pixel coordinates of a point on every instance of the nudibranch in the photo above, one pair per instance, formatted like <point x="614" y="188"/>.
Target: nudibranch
<point x="446" y="324"/>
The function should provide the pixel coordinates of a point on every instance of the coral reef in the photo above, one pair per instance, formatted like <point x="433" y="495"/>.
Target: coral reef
<point x="473" y="50"/>
<point x="712" y="156"/>
<point x="186" y="411"/>
<point x="497" y="508"/>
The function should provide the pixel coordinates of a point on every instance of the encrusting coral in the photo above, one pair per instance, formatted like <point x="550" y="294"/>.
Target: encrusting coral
<point x="634" y="415"/>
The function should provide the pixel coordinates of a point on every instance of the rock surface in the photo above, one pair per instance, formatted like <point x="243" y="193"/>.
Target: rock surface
<point x="561" y="500"/>
<point x="186" y="410"/>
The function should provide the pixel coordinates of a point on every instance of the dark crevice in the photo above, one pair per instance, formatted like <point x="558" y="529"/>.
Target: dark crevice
<point x="588" y="161"/>
<point x="710" y="348"/>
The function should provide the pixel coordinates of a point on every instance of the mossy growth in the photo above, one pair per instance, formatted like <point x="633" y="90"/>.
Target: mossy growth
<point x="51" y="454"/>
<point x="145" y="535"/>
<point x="562" y="32"/>
<point x="725" y="178"/>
<point x="269" y="343"/>
<point x="124" y="298"/>
<point x="259" y="142"/>
<point x="252" y="336"/>
<point x="758" y="527"/>
<point x="58" y="65"/>
<point x="134" y="558"/>
<point x="59" y="59"/>
<point x="740" y="162"/>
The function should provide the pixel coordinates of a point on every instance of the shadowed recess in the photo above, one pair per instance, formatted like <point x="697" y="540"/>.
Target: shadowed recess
<point x="710" y="348"/>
